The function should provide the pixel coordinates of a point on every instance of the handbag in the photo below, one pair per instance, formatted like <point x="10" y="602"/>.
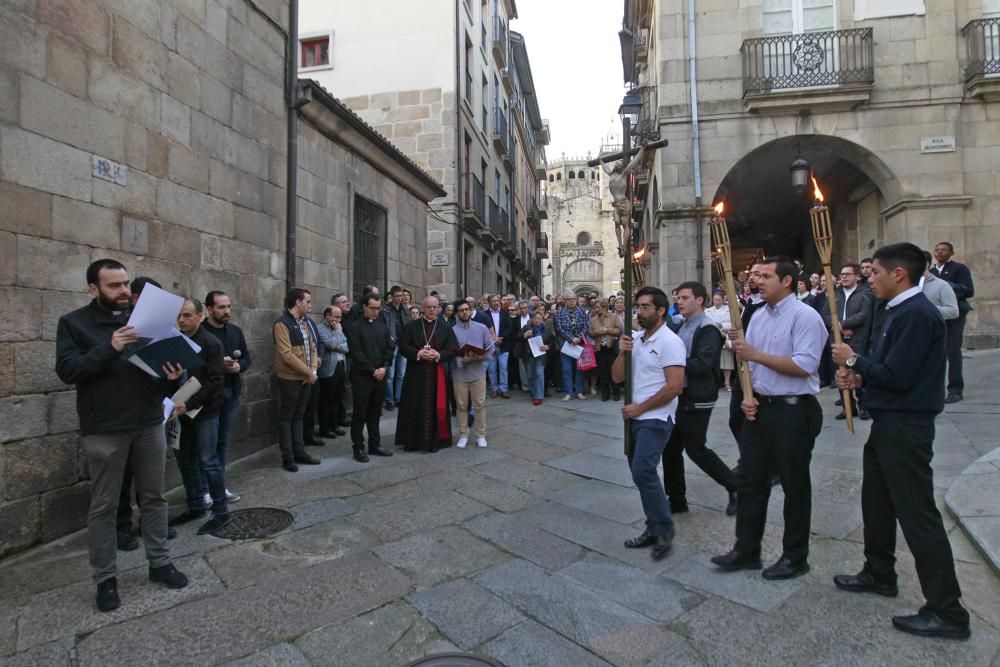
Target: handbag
<point x="587" y="360"/>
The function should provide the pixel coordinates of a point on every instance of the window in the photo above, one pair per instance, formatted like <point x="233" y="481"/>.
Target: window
<point x="468" y="69"/>
<point x="593" y="175"/>
<point x="571" y="174"/>
<point x="580" y="174"/>
<point x="782" y="17"/>
<point x="551" y="178"/>
<point x="370" y="247"/>
<point x="559" y="176"/>
<point x="315" y="52"/>
<point x="583" y="239"/>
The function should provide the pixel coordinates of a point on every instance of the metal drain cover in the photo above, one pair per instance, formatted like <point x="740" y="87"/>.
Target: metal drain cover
<point x="254" y="523"/>
<point x="454" y="660"/>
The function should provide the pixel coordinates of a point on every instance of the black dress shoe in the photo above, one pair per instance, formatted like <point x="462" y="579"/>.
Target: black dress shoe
<point x="308" y="460"/>
<point x="168" y="575"/>
<point x="389" y="406"/>
<point x="339" y="431"/>
<point x="839" y="402"/>
<point x="290" y="466"/>
<point x="731" y="506"/>
<point x="928" y="624"/>
<point x="186" y="517"/>
<point x="215" y="523"/>
<point x="952" y="398"/>
<point x="171" y="533"/>
<point x="679" y="507"/>
<point x="127" y="541"/>
<point x="785" y="569"/>
<point x="378" y="451"/>
<point x="863" y="415"/>
<point x="841" y="415"/>
<point x="314" y="443"/>
<point x="360" y="456"/>
<point x="345" y="424"/>
<point x="734" y="560"/>
<point x="864" y="582"/>
<point x="328" y="434"/>
<point x="640" y="542"/>
<point x="661" y="545"/>
<point x="107" y="595"/>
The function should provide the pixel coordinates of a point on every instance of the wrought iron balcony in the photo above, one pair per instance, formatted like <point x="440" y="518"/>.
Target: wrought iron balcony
<point x="641" y="43"/>
<point x="982" y="47"/>
<point x="488" y="232"/>
<point x="808" y="60"/>
<point x="500" y="48"/>
<point x="475" y="203"/>
<point x="501" y="133"/>
<point x="542" y="251"/>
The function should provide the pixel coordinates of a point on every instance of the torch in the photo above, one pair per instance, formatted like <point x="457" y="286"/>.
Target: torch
<point x="822" y="231"/>
<point x="723" y="257"/>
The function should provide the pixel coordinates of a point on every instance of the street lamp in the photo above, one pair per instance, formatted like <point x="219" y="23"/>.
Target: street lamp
<point x="800" y="174"/>
<point x="629" y="110"/>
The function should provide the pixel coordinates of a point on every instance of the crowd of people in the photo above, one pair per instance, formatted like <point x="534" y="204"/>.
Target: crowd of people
<point x="442" y="358"/>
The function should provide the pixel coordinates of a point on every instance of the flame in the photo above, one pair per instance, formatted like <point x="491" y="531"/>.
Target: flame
<point x="639" y="253"/>
<point x="719" y="208"/>
<point x="816" y="191"/>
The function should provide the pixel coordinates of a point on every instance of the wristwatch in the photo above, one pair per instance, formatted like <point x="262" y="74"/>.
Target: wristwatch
<point x="851" y="360"/>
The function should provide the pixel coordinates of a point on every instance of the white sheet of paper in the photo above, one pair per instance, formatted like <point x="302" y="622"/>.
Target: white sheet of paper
<point x="535" y="344"/>
<point x="189" y="389"/>
<point x="571" y="350"/>
<point x="143" y="365"/>
<point x="168" y="408"/>
<point x="155" y="314"/>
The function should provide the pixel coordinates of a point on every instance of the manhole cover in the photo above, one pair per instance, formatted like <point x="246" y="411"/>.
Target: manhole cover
<point x="454" y="660"/>
<point x="255" y="522"/>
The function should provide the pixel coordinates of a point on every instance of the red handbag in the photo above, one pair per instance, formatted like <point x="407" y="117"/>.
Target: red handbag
<point x="587" y="360"/>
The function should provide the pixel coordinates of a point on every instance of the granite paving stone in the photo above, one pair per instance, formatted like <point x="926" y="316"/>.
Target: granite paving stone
<point x="57" y="653"/>
<point x="391" y="522"/>
<point x="71" y="610"/>
<point x="604" y="430"/>
<point x="556" y="436"/>
<point x="587" y="618"/>
<point x="610" y="501"/>
<point x="280" y="607"/>
<point x="498" y="495"/>
<point x="279" y="655"/>
<point x="414" y="489"/>
<point x="8" y="631"/>
<point x="390" y="636"/>
<point x="744" y="587"/>
<point x="530" y="449"/>
<point x="469" y="456"/>
<point x="384" y="473"/>
<point x="319" y="511"/>
<point x="594" y="466"/>
<point x="651" y="595"/>
<point x="532" y="645"/>
<point x="291" y="492"/>
<point x="438" y="555"/>
<point x="525" y="540"/>
<point x="528" y="476"/>
<point x="465" y="612"/>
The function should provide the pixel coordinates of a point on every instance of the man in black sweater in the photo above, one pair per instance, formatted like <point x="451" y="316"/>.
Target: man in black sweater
<point x="960" y="278"/>
<point x="902" y="379"/>
<point x="702" y="378"/>
<point x="371" y="354"/>
<point x="120" y="408"/>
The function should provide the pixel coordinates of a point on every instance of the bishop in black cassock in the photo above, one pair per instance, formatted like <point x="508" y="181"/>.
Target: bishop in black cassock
<point x="424" y="421"/>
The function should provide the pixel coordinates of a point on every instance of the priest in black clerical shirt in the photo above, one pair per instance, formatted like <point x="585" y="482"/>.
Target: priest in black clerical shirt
<point x="371" y="354"/>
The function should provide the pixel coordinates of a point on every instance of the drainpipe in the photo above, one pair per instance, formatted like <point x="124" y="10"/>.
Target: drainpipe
<point x="695" y="136"/>
<point x="460" y="288"/>
<point x="292" y="174"/>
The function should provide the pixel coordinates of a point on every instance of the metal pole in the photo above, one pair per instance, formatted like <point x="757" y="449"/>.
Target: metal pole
<point x="627" y="287"/>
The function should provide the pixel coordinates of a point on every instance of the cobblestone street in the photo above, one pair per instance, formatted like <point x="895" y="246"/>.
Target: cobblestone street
<point x="513" y="552"/>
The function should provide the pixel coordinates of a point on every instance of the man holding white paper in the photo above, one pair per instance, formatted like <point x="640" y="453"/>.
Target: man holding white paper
<point x="469" y="375"/>
<point x="572" y="324"/>
<point x="121" y="423"/>
<point x="538" y="341"/>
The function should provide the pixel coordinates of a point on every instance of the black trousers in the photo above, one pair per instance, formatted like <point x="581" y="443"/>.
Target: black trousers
<point x="956" y="329"/>
<point x="689" y="435"/>
<point x="309" y="418"/>
<point x="781" y="439"/>
<point x="899" y="485"/>
<point x="124" y="515"/>
<point x="369" y="395"/>
<point x="605" y="359"/>
<point x="331" y="399"/>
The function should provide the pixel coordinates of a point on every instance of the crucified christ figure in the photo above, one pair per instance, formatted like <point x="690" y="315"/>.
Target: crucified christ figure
<point x="618" y="185"/>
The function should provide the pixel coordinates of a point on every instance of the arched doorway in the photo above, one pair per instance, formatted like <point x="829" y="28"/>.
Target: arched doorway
<point x="767" y="216"/>
<point x="583" y="273"/>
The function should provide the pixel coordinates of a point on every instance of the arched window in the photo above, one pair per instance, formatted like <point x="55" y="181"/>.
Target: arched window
<point x="580" y="174"/>
<point x="571" y="173"/>
<point x="559" y="176"/>
<point x="551" y="178"/>
<point x="593" y="175"/>
<point x="582" y="239"/>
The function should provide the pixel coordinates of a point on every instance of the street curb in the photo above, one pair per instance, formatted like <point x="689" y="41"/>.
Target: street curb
<point x="974" y="500"/>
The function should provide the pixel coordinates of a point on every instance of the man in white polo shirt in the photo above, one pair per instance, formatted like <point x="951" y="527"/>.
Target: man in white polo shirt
<point x="658" y="358"/>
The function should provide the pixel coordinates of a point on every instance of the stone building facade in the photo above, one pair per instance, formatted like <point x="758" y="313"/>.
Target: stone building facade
<point x="891" y="103"/>
<point x="154" y="132"/>
<point x="581" y="229"/>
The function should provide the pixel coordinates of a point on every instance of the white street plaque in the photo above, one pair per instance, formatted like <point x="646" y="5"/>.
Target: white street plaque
<point x="937" y="144"/>
<point x="109" y="170"/>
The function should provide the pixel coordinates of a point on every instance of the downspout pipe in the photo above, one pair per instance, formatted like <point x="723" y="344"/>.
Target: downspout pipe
<point x="695" y="136"/>
<point x="292" y="173"/>
<point x="460" y="287"/>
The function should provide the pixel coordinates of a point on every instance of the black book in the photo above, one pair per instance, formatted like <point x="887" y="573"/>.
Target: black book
<point x="176" y="350"/>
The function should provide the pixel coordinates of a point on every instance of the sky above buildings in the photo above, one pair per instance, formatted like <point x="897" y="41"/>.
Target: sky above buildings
<point x="577" y="68"/>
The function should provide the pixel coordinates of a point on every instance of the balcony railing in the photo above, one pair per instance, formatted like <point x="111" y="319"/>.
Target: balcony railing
<point x="501" y="133"/>
<point x="641" y="44"/>
<point x="833" y="58"/>
<point x="982" y="46"/>
<point x="542" y="250"/>
<point x="502" y="230"/>
<point x="500" y="42"/>
<point x="494" y="220"/>
<point x="475" y="199"/>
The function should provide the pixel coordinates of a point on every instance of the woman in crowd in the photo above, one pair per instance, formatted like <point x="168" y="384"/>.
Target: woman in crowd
<point x="538" y="326"/>
<point x="605" y="330"/>
<point x="719" y="314"/>
<point x="802" y="292"/>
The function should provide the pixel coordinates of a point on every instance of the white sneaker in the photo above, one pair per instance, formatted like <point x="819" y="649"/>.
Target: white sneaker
<point x="593" y="391"/>
<point x="207" y="500"/>
<point x="581" y="397"/>
<point x="462" y="442"/>
<point x="567" y="397"/>
<point x="232" y="497"/>
<point x="480" y="442"/>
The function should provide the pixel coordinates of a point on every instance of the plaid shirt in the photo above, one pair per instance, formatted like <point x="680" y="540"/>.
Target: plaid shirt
<point x="570" y="326"/>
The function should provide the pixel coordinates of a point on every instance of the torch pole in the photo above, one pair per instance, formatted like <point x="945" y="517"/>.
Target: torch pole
<point x="724" y="263"/>
<point x="627" y="287"/>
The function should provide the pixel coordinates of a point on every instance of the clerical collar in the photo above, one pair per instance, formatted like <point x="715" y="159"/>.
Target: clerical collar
<point x="430" y="321"/>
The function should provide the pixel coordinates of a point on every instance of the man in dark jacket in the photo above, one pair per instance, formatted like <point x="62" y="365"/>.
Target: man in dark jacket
<point x="396" y="317"/>
<point x="120" y="408"/>
<point x="371" y="353"/>
<point x="702" y="377"/>
<point x="198" y="456"/>
<point x="960" y="277"/>
<point x="854" y="313"/>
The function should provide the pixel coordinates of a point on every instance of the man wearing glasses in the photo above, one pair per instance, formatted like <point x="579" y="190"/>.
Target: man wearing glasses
<point x="854" y="309"/>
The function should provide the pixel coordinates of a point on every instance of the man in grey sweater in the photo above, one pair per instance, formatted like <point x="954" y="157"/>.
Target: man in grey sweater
<point x="938" y="291"/>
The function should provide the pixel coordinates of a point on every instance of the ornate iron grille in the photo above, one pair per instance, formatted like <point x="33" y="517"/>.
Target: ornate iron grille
<point x="646" y="127"/>
<point x="369" y="245"/>
<point x="982" y="45"/>
<point x="832" y="58"/>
